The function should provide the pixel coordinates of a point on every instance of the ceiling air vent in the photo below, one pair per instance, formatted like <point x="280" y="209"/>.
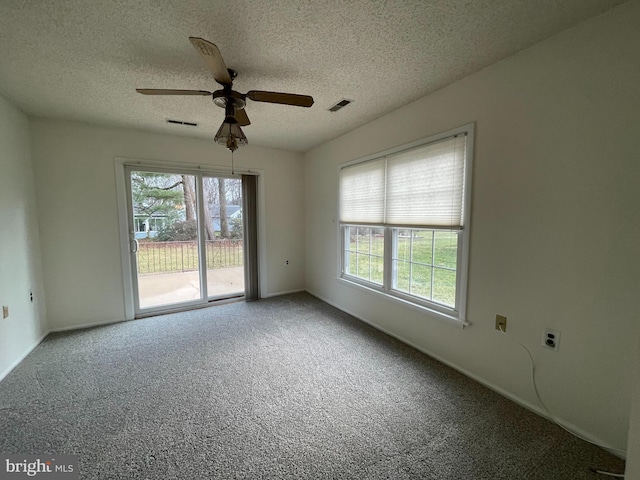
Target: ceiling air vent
<point x="341" y="104"/>
<point x="180" y="122"/>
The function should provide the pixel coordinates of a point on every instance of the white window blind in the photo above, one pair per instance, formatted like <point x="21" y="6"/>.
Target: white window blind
<point x="362" y="192"/>
<point x="423" y="186"/>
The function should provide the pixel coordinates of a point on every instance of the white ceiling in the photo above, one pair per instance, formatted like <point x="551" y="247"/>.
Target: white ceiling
<point x="83" y="59"/>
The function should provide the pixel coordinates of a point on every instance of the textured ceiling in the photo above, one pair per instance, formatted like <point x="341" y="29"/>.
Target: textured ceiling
<point x="83" y="59"/>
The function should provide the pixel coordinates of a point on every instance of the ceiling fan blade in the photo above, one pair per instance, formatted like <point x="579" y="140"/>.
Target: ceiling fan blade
<point x="283" y="98"/>
<point x="242" y="118"/>
<point x="214" y="60"/>
<point x="160" y="91"/>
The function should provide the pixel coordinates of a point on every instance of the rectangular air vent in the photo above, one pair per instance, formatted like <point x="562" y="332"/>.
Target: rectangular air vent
<point x="180" y="122"/>
<point x="341" y="104"/>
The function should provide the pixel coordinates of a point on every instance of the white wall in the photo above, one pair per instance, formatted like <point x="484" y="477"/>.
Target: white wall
<point x="555" y="228"/>
<point x="75" y="179"/>
<point x="20" y="269"/>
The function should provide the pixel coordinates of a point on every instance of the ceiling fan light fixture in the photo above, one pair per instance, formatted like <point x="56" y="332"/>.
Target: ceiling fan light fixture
<point x="231" y="136"/>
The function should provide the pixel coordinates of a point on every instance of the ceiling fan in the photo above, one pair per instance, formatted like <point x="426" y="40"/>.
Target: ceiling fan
<point x="230" y="134"/>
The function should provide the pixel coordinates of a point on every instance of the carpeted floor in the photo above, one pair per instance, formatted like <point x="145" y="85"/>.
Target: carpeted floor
<point x="287" y="387"/>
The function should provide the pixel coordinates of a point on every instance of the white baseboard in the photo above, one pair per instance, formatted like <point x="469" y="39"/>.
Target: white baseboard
<point x="17" y="361"/>
<point x="86" y="325"/>
<point x="505" y="393"/>
<point x="277" y="294"/>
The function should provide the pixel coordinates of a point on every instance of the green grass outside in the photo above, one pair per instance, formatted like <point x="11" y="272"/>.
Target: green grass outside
<point x="432" y="253"/>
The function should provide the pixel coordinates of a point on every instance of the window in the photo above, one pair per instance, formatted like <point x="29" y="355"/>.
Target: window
<point x="404" y="221"/>
<point x="364" y="253"/>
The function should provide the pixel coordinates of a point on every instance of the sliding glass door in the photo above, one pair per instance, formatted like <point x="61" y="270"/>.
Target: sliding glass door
<point x="224" y="232"/>
<point x="186" y="237"/>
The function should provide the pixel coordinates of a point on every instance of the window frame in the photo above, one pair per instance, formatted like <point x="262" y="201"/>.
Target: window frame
<point x="456" y="313"/>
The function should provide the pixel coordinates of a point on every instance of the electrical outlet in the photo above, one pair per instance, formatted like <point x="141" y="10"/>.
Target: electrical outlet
<point x="5" y="311"/>
<point x="286" y="262"/>
<point x="551" y="339"/>
<point x="501" y="323"/>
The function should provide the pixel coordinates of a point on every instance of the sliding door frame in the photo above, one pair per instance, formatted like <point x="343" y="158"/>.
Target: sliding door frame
<point x="123" y="166"/>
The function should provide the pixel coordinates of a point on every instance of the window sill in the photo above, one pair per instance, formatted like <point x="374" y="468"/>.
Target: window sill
<point x="450" y="319"/>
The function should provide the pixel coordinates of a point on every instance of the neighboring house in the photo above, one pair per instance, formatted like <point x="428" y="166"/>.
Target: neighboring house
<point x="148" y="227"/>
<point x="233" y="211"/>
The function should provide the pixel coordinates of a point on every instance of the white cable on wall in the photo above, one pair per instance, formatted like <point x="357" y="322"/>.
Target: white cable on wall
<point x="553" y="417"/>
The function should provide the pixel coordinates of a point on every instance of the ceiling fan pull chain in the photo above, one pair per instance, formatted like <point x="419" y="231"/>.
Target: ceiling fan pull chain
<point x="232" y="171"/>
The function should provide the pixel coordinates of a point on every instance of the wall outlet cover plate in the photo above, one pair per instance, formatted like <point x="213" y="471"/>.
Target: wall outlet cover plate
<point x="551" y="339"/>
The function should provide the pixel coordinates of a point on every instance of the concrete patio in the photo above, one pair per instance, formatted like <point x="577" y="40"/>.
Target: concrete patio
<point x="168" y="288"/>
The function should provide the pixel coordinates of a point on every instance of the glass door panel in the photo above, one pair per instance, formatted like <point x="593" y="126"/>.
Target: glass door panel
<point x="165" y="227"/>
<point x="224" y="236"/>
